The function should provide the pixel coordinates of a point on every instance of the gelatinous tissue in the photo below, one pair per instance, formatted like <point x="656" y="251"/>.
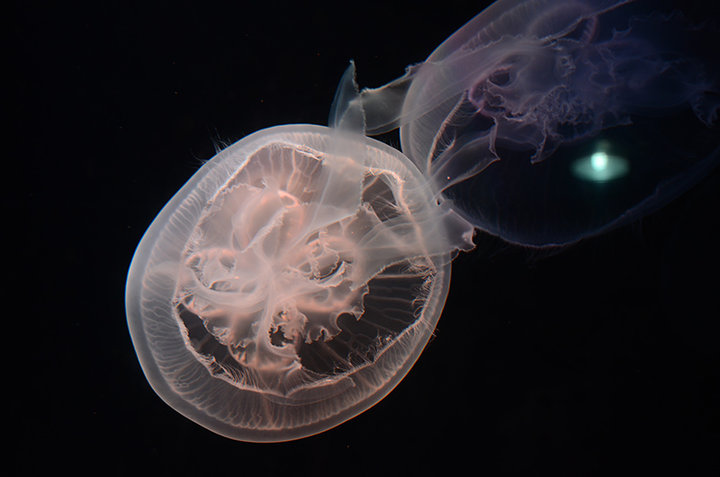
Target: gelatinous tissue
<point x="297" y="276"/>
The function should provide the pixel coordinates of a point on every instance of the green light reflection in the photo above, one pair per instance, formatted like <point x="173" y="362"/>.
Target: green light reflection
<point x="600" y="166"/>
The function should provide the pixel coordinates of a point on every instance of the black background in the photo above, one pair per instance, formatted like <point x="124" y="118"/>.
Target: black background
<point x="598" y="359"/>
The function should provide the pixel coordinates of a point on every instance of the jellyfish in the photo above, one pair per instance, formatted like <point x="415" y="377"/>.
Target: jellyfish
<point x="545" y="122"/>
<point x="294" y="280"/>
<point x="291" y="283"/>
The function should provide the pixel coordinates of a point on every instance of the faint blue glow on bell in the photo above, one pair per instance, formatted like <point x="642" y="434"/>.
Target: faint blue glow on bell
<point x="600" y="167"/>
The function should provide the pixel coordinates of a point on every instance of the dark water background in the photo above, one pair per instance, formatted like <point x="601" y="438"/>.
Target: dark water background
<point x="599" y="359"/>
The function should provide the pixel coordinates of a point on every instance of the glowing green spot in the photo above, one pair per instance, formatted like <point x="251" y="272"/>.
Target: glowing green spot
<point x="600" y="167"/>
<point x="599" y="161"/>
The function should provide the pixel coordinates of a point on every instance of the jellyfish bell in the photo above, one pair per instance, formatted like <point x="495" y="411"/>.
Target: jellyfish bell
<point x="296" y="277"/>
<point x="291" y="283"/>
<point x="502" y="114"/>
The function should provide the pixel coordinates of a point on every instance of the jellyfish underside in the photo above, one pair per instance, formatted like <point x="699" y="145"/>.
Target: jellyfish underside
<point x="500" y="112"/>
<point x="297" y="276"/>
<point x="290" y="286"/>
